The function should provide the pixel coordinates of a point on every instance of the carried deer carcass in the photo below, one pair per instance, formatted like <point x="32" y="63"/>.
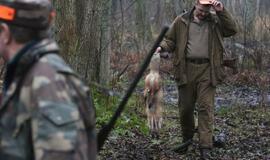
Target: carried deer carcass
<point x="153" y="95"/>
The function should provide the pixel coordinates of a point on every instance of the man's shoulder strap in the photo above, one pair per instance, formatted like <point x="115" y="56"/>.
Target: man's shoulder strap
<point x="26" y="70"/>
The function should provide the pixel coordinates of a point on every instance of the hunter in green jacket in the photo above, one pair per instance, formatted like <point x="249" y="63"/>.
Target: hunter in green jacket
<point x="196" y="40"/>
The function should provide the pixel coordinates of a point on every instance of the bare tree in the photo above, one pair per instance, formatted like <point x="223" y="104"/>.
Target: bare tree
<point x="89" y="31"/>
<point x="105" y="42"/>
<point x="79" y="31"/>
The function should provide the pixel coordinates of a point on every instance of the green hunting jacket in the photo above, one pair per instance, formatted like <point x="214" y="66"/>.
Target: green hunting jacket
<point x="221" y="25"/>
<point x="43" y="119"/>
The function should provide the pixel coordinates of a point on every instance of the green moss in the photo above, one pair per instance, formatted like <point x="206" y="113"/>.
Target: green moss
<point x="131" y="119"/>
<point x="223" y="111"/>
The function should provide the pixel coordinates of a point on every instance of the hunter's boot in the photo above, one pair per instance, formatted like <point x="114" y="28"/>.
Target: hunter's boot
<point x="183" y="147"/>
<point x="205" y="154"/>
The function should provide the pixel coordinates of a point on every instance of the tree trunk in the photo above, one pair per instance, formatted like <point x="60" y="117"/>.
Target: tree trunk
<point x="78" y="34"/>
<point x="178" y="6"/>
<point x="144" y="33"/>
<point x="87" y="30"/>
<point x="65" y="25"/>
<point x="105" y="43"/>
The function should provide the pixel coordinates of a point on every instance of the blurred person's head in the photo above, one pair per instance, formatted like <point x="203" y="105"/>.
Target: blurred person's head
<point x="202" y="9"/>
<point x="22" y="21"/>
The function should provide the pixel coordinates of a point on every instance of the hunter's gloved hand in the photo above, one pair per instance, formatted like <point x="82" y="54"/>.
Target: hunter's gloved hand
<point x="217" y="5"/>
<point x="162" y="54"/>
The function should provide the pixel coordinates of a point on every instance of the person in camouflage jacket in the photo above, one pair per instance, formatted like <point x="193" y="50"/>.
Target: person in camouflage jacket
<point x="46" y="111"/>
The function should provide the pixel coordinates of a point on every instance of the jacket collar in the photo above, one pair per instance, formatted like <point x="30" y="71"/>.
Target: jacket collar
<point x="17" y="66"/>
<point x="23" y="64"/>
<point x="35" y="52"/>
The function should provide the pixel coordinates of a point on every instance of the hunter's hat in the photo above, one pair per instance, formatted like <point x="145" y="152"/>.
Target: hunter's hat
<point x="35" y="14"/>
<point x="205" y="1"/>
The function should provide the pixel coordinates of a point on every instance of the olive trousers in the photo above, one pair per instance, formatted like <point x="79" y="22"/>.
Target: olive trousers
<point x="197" y="90"/>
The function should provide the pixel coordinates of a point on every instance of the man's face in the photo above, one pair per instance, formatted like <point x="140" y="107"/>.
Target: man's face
<point x="3" y="40"/>
<point x="201" y="11"/>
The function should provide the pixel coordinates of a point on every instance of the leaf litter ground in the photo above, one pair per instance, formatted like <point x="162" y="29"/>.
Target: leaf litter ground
<point x="246" y="131"/>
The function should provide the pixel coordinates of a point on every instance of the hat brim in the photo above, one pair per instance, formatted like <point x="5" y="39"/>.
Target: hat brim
<point x="205" y="2"/>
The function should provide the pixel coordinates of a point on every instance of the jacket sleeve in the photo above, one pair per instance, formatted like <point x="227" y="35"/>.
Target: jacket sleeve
<point x="168" y="43"/>
<point x="227" y="24"/>
<point x="58" y="127"/>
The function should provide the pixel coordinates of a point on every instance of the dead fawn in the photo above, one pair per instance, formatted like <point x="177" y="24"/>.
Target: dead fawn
<point x="153" y="95"/>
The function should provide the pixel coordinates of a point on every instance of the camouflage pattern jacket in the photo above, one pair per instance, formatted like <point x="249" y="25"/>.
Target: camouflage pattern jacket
<point x="44" y="118"/>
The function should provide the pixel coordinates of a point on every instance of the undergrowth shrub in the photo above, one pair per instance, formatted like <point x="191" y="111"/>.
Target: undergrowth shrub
<point x="131" y="119"/>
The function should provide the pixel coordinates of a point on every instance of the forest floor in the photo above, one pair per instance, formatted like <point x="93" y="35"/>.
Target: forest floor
<point x="246" y="131"/>
<point x="239" y="120"/>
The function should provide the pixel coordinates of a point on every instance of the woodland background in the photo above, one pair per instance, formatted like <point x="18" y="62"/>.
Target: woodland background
<point x="93" y="33"/>
<point x="105" y="41"/>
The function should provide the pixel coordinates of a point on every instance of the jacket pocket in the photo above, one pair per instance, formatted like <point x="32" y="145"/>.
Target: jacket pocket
<point x="60" y="113"/>
<point x="57" y="127"/>
<point x="180" y="75"/>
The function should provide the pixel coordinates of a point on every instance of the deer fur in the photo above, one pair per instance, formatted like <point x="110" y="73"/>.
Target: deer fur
<point x="153" y="95"/>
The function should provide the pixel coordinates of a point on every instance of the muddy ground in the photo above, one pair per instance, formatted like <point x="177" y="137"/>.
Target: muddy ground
<point x="245" y="129"/>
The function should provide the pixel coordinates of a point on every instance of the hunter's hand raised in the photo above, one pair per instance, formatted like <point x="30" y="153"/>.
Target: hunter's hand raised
<point x="217" y="5"/>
